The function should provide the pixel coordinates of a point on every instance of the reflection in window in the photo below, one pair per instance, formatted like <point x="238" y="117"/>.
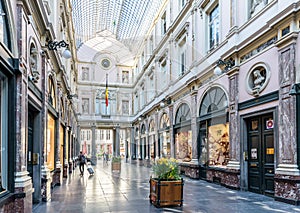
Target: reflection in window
<point x="125" y="77"/>
<point x="163" y="24"/>
<point x="183" y="114"/>
<point x="107" y="134"/>
<point x="51" y="92"/>
<point x="4" y="33"/>
<point x="214" y="27"/>
<point x="50" y="142"/>
<point x="3" y="133"/>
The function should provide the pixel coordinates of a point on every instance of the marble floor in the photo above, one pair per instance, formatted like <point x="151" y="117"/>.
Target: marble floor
<point x="128" y="192"/>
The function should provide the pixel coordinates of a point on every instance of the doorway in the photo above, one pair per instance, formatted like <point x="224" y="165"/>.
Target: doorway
<point x="261" y="154"/>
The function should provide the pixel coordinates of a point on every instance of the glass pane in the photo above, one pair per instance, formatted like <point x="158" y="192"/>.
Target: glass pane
<point x="3" y="133"/>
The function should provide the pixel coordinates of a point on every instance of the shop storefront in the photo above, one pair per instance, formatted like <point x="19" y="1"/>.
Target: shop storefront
<point x="213" y="137"/>
<point x="164" y="148"/>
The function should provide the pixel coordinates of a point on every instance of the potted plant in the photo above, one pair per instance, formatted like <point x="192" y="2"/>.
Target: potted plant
<point x="166" y="187"/>
<point x="116" y="163"/>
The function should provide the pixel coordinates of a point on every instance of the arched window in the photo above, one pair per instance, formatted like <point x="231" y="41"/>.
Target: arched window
<point x="143" y="129"/>
<point x="164" y="121"/>
<point x="183" y="114"/>
<point x="213" y="140"/>
<point x="51" y="92"/>
<point x="214" y="100"/>
<point x="151" y="126"/>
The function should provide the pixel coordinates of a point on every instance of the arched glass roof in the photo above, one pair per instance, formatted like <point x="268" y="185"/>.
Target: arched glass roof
<point x="128" y="20"/>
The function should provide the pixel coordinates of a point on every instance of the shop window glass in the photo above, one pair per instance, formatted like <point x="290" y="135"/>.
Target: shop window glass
<point x="218" y="144"/>
<point x="50" y="142"/>
<point x="107" y="134"/>
<point x="61" y="143"/>
<point x="214" y="27"/>
<point x="183" y="137"/>
<point x="4" y="33"/>
<point x="51" y="92"/>
<point x="214" y="131"/>
<point x="3" y="133"/>
<point x="183" y="114"/>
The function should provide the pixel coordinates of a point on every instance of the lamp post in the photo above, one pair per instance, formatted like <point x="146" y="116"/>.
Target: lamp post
<point x="53" y="45"/>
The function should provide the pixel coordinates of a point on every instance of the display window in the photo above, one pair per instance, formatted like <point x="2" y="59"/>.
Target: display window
<point x="183" y="141"/>
<point x="213" y="137"/>
<point x="164" y="137"/>
<point x="3" y="133"/>
<point x="50" y="146"/>
<point x="183" y="134"/>
<point x="61" y="144"/>
<point x="218" y="144"/>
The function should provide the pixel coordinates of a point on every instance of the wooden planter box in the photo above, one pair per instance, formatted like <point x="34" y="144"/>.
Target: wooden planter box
<point x="116" y="166"/>
<point x="166" y="193"/>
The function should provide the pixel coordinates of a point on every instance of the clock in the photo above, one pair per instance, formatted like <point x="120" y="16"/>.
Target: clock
<point x="105" y="63"/>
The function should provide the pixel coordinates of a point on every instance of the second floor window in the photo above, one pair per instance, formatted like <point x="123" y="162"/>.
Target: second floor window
<point x="101" y="134"/>
<point x="107" y="134"/>
<point x="214" y="27"/>
<point x="163" y="24"/>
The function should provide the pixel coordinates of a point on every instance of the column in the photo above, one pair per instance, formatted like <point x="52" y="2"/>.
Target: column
<point x="78" y="141"/>
<point x="93" y="156"/>
<point x="234" y="124"/>
<point x="117" y="141"/>
<point x="70" y="147"/>
<point x="194" y="126"/>
<point x="287" y="153"/>
<point x="45" y="172"/>
<point x="126" y="145"/>
<point x="132" y="142"/>
<point x="172" y="139"/>
<point x="65" y="151"/>
<point x="157" y="139"/>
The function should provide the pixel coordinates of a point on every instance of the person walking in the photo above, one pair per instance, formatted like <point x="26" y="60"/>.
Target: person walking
<point x="82" y="162"/>
<point x="106" y="158"/>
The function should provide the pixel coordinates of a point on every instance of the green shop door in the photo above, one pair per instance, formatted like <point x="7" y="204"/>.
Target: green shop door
<point x="261" y="154"/>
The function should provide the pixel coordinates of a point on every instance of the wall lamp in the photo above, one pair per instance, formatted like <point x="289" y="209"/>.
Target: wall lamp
<point x="70" y="96"/>
<point x="295" y="89"/>
<point x="223" y="66"/>
<point x="53" y="45"/>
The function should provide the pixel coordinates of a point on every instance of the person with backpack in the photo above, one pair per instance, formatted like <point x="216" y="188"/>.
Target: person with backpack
<point x="82" y="162"/>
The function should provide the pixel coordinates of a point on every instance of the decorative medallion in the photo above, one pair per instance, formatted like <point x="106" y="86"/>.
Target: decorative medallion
<point x="257" y="79"/>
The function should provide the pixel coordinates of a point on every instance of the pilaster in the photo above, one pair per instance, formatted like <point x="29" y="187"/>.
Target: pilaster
<point x="94" y="157"/>
<point x="46" y="184"/>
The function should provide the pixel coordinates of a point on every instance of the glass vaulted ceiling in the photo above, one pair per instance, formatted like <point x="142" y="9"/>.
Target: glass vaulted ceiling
<point x="127" y="20"/>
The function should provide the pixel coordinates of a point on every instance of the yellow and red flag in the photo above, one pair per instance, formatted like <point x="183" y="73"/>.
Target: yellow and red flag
<point x="106" y="93"/>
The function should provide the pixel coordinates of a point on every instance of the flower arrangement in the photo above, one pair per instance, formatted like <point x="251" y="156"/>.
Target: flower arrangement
<point x="166" y="169"/>
<point x="116" y="159"/>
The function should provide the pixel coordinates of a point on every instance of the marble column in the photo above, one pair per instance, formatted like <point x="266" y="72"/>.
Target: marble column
<point x="78" y="142"/>
<point x="194" y="127"/>
<point x="132" y="142"/>
<point x="65" y="151"/>
<point x="234" y="124"/>
<point x="172" y="139"/>
<point x="93" y="156"/>
<point x="156" y="137"/>
<point x="70" y="147"/>
<point x="287" y="144"/>
<point x="287" y="173"/>
<point x="117" y="141"/>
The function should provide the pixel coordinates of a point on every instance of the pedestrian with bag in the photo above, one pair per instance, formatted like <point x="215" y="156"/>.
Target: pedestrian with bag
<point x="82" y="162"/>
